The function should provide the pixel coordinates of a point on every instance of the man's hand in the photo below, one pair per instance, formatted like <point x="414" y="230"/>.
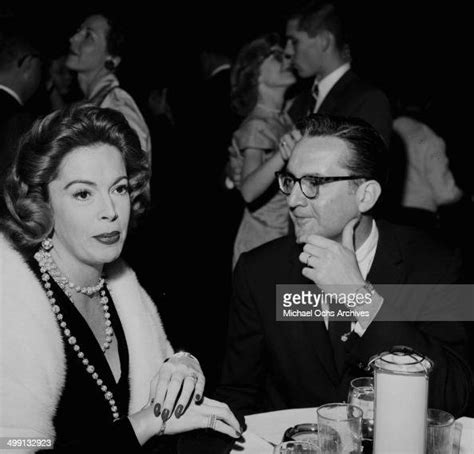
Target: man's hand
<point x="332" y="266"/>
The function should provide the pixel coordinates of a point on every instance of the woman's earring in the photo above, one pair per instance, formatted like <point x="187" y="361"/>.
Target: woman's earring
<point x="47" y="244"/>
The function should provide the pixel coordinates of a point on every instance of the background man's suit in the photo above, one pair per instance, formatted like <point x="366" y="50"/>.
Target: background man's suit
<point x="14" y="121"/>
<point x="350" y="97"/>
<point x="273" y="365"/>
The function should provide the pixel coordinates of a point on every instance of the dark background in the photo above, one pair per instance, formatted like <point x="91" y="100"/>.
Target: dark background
<point x="396" y="44"/>
<point x="410" y="49"/>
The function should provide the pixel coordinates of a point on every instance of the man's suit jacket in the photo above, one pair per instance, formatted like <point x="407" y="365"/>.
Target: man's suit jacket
<point x="8" y="106"/>
<point x="14" y="121"/>
<point x="273" y="365"/>
<point x="350" y="97"/>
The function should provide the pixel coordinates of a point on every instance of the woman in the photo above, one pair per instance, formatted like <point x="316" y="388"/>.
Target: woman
<point x="260" y="78"/>
<point x="95" y="53"/>
<point x="83" y="351"/>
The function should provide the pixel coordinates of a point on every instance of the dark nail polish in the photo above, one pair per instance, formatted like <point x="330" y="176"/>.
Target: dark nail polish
<point x="157" y="410"/>
<point x="179" y="411"/>
<point x="165" y="415"/>
<point x="198" y="397"/>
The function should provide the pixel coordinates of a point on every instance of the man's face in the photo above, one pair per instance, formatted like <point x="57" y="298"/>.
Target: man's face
<point x="336" y="203"/>
<point x="305" y="51"/>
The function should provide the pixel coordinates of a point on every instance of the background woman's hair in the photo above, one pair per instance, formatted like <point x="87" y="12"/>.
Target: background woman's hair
<point x="246" y="70"/>
<point x="28" y="218"/>
<point x="116" y="35"/>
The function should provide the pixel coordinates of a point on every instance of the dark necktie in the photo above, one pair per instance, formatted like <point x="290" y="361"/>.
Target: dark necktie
<point x="314" y="98"/>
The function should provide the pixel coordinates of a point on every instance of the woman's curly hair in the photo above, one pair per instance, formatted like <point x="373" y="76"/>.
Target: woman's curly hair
<point x="246" y="71"/>
<point x="28" y="218"/>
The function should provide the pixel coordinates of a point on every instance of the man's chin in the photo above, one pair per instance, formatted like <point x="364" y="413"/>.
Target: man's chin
<point x="299" y="234"/>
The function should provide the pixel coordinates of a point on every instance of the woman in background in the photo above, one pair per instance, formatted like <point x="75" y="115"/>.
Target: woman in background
<point x="95" y="53"/>
<point x="260" y="78"/>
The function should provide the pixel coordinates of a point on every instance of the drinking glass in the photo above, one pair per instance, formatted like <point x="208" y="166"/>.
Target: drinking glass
<point x="439" y="432"/>
<point x="296" y="447"/>
<point x="361" y="394"/>
<point x="340" y="428"/>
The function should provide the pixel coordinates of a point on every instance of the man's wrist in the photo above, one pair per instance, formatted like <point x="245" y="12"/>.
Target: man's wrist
<point x="372" y="306"/>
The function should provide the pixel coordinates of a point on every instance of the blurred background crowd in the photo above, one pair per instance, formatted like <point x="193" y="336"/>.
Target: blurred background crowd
<point x="174" y="67"/>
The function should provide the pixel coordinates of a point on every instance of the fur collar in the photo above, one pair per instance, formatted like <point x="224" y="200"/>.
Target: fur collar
<point x="32" y="360"/>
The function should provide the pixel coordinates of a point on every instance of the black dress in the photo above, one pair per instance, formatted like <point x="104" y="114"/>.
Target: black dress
<point x="83" y="419"/>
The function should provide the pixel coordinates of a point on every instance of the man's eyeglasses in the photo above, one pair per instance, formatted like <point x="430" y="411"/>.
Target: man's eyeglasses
<point x="309" y="184"/>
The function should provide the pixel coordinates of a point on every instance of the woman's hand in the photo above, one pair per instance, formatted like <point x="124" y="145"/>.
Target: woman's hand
<point x="235" y="164"/>
<point x="180" y="375"/>
<point x="209" y="414"/>
<point x="287" y="144"/>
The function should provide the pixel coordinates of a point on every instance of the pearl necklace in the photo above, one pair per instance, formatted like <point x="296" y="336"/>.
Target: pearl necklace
<point x="48" y="265"/>
<point x="64" y="281"/>
<point x="43" y="258"/>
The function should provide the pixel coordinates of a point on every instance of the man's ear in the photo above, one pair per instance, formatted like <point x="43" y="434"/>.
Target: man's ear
<point x="367" y="195"/>
<point x="326" y="40"/>
<point x="27" y="67"/>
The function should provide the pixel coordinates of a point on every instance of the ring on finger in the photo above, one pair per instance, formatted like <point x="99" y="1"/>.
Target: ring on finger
<point x="194" y="376"/>
<point x="307" y="260"/>
<point x="211" y="424"/>
<point x="283" y="143"/>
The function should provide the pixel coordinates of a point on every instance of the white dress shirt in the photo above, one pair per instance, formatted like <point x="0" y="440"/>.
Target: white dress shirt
<point x="365" y="256"/>
<point x="326" y="83"/>
<point x="11" y="93"/>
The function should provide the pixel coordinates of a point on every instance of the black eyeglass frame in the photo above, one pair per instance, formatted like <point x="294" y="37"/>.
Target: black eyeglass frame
<point x="319" y="180"/>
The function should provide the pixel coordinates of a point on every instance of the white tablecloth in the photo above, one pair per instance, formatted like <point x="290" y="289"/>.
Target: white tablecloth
<point x="263" y="429"/>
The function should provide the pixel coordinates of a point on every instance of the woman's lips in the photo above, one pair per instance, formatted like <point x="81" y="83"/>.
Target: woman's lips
<point x="108" y="238"/>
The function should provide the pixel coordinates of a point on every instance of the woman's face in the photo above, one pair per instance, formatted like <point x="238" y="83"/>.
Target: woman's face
<point x="88" y="46"/>
<point x="275" y="70"/>
<point x="90" y="202"/>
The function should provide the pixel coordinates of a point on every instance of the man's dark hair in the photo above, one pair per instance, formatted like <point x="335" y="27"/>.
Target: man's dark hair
<point x="369" y="152"/>
<point x="14" y="44"/>
<point x="317" y="16"/>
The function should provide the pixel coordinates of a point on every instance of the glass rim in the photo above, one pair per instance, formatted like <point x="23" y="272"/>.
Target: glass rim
<point x="298" y="443"/>
<point x="361" y="378"/>
<point x="339" y="404"/>
<point x="450" y="418"/>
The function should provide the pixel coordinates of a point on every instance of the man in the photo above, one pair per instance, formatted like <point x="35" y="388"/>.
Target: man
<point x="337" y="244"/>
<point x="20" y="76"/>
<point x="318" y="47"/>
<point x="320" y="54"/>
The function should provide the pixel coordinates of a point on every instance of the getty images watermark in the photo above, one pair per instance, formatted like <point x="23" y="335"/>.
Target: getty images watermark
<point x="405" y="302"/>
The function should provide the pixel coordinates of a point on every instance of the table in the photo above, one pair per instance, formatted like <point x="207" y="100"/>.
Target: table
<point x="266" y="428"/>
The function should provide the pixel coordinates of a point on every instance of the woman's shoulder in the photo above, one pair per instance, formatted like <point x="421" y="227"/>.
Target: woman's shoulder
<point x="251" y="133"/>
<point x="11" y="260"/>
